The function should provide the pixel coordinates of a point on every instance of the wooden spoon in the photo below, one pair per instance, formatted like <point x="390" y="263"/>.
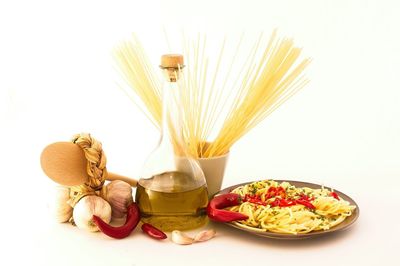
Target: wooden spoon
<point x="65" y="163"/>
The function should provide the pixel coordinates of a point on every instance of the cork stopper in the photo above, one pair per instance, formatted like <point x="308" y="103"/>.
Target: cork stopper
<point x="172" y="61"/>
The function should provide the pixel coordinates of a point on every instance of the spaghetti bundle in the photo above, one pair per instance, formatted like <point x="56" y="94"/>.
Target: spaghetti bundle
<point x="323" y="211"/>
<point x="219" y="106"/>
<point x="141" y="77"/>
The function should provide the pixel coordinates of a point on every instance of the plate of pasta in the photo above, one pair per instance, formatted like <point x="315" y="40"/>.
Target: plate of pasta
<point x="291" y="209"/>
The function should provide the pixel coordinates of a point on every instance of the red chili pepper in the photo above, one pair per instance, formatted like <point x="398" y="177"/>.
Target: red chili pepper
<point x="278" y="202"/>
<point x="275" y="203"/>
<point x="287" y="202"/>
<point x="275" y="191"/>
<point x="215" y="206"/>
<point x="280" y="191"/>
<point x="153" y="231"/>
<point x="254" y="199"/>
<point x="305" y="203"/>
<point x="335" y="195"/>
<point x="132" y="219"/>
<point x="306" y="198"/>
<point x="270" y="193"/>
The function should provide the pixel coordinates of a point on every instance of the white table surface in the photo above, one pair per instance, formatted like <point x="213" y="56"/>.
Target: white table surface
<point x="342" y="130"/>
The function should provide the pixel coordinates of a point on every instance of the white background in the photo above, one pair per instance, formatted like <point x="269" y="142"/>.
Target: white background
<point x="342" y="130"/>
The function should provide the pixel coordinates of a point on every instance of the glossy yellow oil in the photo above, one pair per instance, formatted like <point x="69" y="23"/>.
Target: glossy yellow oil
<point x="174" y="207"/>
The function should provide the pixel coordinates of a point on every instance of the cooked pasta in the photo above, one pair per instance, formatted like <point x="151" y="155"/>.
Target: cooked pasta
<point x="284" y="208"/>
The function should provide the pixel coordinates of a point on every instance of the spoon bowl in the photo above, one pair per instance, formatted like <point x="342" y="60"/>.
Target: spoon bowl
<point x="65" y="163"/>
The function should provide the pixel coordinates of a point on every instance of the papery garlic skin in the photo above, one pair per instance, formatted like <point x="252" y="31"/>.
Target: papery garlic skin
<point x="86" y="208"/>
<point x="59" y="208"/>
<point x="119" y="194"/>
<point x="204" y="235"/>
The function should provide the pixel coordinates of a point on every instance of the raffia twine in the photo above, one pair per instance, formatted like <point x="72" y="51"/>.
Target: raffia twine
<point x="95" y="168"/>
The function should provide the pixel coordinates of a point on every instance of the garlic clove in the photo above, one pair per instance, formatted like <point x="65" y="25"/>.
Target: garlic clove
<point x="119" y="194"/>
<point x="204" y="235"/>
<point x="86" y="208"/>
<point x="180" y="238"/>
<point x="59" y="208"/>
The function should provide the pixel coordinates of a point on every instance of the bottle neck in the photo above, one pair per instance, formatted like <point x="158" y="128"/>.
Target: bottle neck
<point x="171" y="115"/>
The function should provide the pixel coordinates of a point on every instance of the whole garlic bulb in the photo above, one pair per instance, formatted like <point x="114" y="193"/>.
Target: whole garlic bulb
<point x="58" y="205"/>
<point x="86" y="208"/>
<point x="119" y="195"/>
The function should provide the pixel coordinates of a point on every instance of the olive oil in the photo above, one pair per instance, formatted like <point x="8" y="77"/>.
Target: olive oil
<point x="167" y="202"/>
<point x="172" y="191"/>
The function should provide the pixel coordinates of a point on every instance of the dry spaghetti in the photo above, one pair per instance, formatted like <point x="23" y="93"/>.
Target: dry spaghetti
<point x="219" y="105"/>
<point x="284" y="208"/>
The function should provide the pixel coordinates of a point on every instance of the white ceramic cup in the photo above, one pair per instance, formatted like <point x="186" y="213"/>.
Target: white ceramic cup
<point x="214" y="169"/>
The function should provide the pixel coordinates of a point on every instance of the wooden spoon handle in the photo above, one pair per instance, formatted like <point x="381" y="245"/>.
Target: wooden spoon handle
<point x="130" y="181"/>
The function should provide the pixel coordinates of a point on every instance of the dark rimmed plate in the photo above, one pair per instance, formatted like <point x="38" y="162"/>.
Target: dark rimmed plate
<point x="342" y="226"/>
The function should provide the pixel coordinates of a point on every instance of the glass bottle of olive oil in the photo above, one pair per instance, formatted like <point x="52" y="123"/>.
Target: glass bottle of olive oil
<point x="172" y="191"/>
